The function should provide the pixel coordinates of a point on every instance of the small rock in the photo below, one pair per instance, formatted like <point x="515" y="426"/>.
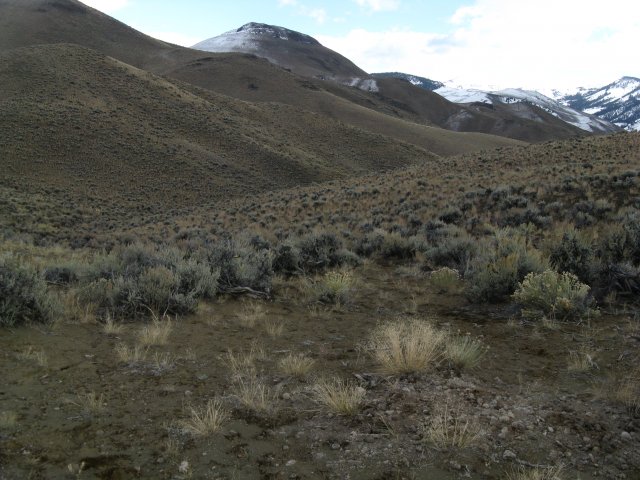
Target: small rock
<point x="509" y="455"/>
<point x="625" y="436"/>
<point x="455" y="465"/>
<point x="286" y="396"/>
<point x="290" y="463"/>
<point x="335" y="446"/>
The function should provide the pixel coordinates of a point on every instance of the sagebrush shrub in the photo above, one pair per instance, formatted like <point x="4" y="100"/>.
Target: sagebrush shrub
<point x="553" y="294"/>
<point x="574" y="254"/>
<point x="24" y="296"/>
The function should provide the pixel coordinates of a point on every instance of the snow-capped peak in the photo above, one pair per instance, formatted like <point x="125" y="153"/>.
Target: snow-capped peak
<point x="247" y="38"/>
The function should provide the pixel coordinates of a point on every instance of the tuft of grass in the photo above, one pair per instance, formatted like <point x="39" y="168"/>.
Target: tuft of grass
<point x="335" y="287"/>
<point x="274" y="328"/>
<point x="33" y="355"/>
<point x="251" y="314"/>
<point x="522" y="473"/>
<point x="254" y="394"/>
<point x="156" y="333"/>
<point x="296" y="365"/>
<point x="206" y="420"/>
<point x="406" y="346"/>
<point x="131" y="355"/>
<point x="162" y="362"/>
<point x="339" y="396"/>
<point x="582" y="361"/>
<point x="464" y="352"/>
<point x="111" y="327"/>
<point x="90" y="402"/>
<point x="450" y="428"/>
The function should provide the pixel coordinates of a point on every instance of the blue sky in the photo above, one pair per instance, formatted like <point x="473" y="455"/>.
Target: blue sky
<point x="486" y="43"/>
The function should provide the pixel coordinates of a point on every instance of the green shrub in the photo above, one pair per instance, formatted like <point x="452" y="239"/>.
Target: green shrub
<point x="241" y="264"/>
<point x="554" y="295"/>
<point x="312" y="253"/>
<point x="396" y="246"/>
<point x="335" y="287"/>
<point x="454" y="253"/>
<point x="134" y="280"/>
<point x="506" y="260"/>
<point x="24" y="296"/>
<point x="574" y="254"/>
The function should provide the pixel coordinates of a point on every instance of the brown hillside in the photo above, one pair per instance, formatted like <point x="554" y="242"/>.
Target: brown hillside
<point x="30" y="22"/>
<point x="129" y="133"/>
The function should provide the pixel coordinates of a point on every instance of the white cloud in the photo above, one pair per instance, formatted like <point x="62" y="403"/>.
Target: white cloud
<point x="287" y="3"/>
<point x="542" y="44"/>
<point x="318" y="14"/>
<point x="107" y="6"/>
<point x="379" y="5"/>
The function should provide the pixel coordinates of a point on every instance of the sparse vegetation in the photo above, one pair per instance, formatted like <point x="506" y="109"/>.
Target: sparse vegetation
<point x="450" y="427"/>
<point x="464" y="352"/>
<point x="296" y="364"/>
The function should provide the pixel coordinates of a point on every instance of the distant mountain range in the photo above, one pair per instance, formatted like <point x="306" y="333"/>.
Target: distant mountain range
<point x="618" y="102"/>
<point x="593" y="109"/>
<point x="409" y="96"/>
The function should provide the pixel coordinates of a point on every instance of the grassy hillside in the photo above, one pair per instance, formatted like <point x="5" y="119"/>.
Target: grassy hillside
<point x="80" y="120"/>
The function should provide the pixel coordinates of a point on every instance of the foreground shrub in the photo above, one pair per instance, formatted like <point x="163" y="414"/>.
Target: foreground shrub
<point x="407" y="346"/>
<point x="242" y="262"/>
<point x="23" y="294"/>
<point x="137" y="280"/>
<point x="574" y="254"/>
<point x="553" y="294"/>
<point x="505" y="262"/>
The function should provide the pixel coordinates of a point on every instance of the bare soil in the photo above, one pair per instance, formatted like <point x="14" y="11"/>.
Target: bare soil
<point x="529" y="407"/>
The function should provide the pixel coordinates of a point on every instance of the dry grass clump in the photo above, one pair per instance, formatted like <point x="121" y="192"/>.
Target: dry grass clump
<point x="111" y="327"/>
<point x="244" y="363"/>
<point x="449" y="427"/>
<point x="407" y="346"/>
<point x="156" y="333"/>
<point x="582" y="360"/>
<point x="524" y="473"/>
<point x="254" y="394"/>
<point x="627" y="391"/>
<point x="339" y="396"/>
<point x="335" y="287"/>
<point x="206" y="420"/>
<point x="90" y="402"/>
<point x="464" y="352"/>
<point x="131" y="355"/>
<point x="33" y="355"/>
<point x="251" y="313"/>
<point x="296" y="365"/>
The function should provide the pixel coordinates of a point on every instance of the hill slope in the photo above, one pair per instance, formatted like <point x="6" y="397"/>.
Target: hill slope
<point x="128" y="133"/>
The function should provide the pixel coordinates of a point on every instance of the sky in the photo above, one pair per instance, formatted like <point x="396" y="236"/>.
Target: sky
<point x="535" y="44"/>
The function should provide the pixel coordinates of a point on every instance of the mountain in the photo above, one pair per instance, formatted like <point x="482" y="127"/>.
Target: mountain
<point x="618" y="102"/>
<point x="421" y="82"/>
<point x="292" y="50"/>
<point x="522" y="99"/>
<point x="406" y="96"/>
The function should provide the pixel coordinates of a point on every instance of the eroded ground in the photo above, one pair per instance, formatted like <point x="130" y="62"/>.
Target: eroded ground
<point x="542" y="395"/>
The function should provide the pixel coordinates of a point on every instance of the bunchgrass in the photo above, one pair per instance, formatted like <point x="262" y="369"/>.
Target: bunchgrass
<point x="339" y="396"/>
<point x="206" y="420"/>
<point x="407" y="346"/>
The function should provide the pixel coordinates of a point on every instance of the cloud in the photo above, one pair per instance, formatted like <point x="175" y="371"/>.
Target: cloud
<point x="107" y="6"/>
<point x="318" y="14"/>
<point x="542" y="44"/>
<point x="287" y="3"/>
<point x="379" y="5"/>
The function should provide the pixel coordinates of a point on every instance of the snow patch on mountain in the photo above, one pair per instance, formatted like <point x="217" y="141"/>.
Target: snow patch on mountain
<point x="246" y="38"/>
<point x="618" y="102"/>
<point x="574" y="117"/>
